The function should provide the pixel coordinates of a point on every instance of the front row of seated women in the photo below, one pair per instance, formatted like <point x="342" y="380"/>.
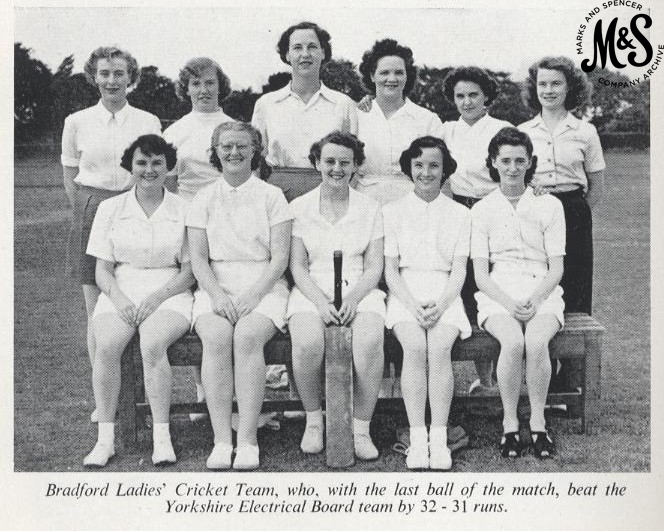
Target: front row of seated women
<point x="236" y="234"/>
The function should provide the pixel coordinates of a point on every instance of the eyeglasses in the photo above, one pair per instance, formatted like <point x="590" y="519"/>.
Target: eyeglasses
<point x="227" y="148"/>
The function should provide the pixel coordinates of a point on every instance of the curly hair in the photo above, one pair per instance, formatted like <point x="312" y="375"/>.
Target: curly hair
<point x="511" y="136"/>
<point x="473" y="74"/>
<point x="341" y="139"/>
<point x="109" y="53"/>
<point x="195" y="68"/>
<point x="386" y="48"/>
<point x="256" y="143"/>
<point x="579" y="88"/>
<point x="323" y="38"/>
<point x="415" y="150"/>
<point x="149" y="145"/>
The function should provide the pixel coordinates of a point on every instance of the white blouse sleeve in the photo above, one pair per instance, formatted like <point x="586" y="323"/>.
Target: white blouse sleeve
<point x="479" y="240"/>
<point x="100" y="244"/>
<point x="70" y="154"/>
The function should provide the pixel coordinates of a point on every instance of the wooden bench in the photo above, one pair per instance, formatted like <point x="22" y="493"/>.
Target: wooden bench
<point x="580" y="340"/>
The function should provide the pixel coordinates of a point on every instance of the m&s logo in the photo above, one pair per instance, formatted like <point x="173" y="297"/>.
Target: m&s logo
<point x="622" y="38"/>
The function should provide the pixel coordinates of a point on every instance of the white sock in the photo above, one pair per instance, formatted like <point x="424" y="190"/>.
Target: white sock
<point x="418" y="435"/>
<point x="106" y="433"/>
<point x="200" y="393"/>
<point x="438" y="435"/>
<point x="160" y="432"/>
<point x="315" y="418"/>
<point x="361" y="427"/>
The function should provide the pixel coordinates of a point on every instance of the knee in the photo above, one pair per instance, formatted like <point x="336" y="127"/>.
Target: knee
<point x="512" y="348"/>
<point x="307" y="350"/>
<point x="415" y="353"/>
<point x="217" y="346"/>
<point x="368" y="353"/>
<point x="108" y="351"/>
<point x="537" y="345"/>
<point x="153" y="350"/>
<point x="245" y="343"/>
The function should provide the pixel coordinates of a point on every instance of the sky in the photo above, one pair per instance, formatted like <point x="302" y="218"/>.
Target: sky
<point x="243" y="39"/>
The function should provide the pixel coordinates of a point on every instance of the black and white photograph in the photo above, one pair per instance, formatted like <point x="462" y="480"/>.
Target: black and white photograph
<point x="391" y="260"/>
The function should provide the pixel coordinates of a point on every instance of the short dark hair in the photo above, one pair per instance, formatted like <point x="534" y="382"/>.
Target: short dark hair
<point x="109" y="53"/>
<point x="473" y="74"/>
<point x="323" y="38"/>
<point x="415" y="150"/>
<point x="385" y="48"/>
<point x="341" y="139"/>
<point x="149" y="145"/>
<point x="511" y="136"/>
<point x="579" y="88"/>
<point x="195" y="68"/>
<point x="256" y="142"/>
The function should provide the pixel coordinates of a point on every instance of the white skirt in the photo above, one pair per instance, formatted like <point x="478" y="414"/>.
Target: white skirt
<point x="373" y="302"/>
<point x="426" y="285"/>
<point x="519" y="285"/>
<point x="235" y="278"/>
<point x="138" y="283"/>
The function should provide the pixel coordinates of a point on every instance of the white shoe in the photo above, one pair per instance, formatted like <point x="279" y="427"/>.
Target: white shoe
<point x="478" y="389"/>
<point x="417" y="457"/>
<point x="99" y="456"/>
<point x="163" y="453"/>
<point x="364" y="447"/>
<point x="246" y="458"/>
<point x="197" y="417"/>
<point x="220" y="457"/>
<point x="312" y="440"/>
<point x="94" y="416"/>
<point x="441" y="457"/>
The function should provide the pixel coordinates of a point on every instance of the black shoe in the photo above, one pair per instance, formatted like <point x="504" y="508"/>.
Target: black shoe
<point x="510" y="445"/>
<point x="543" y="445"/>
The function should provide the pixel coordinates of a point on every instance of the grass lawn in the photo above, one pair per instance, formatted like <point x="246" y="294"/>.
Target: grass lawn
<point x="53" y="395"/>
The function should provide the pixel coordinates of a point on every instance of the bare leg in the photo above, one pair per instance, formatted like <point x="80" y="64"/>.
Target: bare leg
<point x="413" y="340"/>
<point x="216" y="334"/>
<point x="368" y="360"/>
<point x="90" y="294"/>
<point x="440" y="339"/>
<point x="509" y="334"/>
<point x="308" y="340"/>
<point x="252" y="332"/>
<point x="539" y="331"/>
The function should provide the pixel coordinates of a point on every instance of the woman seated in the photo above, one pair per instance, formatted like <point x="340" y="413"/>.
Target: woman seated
<point x="427" y="242"/>
<point x="335" y="217"/>
<point x="239" y="229"/>
<point x="144" y="274"/>
<point x="522" y="237"/>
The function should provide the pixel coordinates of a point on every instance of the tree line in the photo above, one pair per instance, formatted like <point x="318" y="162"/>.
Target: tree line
<point x="43" y="99"/>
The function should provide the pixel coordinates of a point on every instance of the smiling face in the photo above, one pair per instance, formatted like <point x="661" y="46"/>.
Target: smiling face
<point x="551" y="89"/>
<point x="512" y="162"/>
<point x="427" y="171"/>
<point x="112" y="78"/>
<point x="235" y="151"/>
<point x="149" y="171"/>
<point x="336" y="165"/>
<point x="204" y="91"/>
<point x="390" y="77"/>
<point x="470" y="101"/>
<point x="305" y="54"/>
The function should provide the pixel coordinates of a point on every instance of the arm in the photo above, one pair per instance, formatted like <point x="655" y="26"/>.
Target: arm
<point x="400" y="290"/>
<point x="280" y="237"/>
<point x="299" y="266"/>
<point x="595" y="187"/>
<point x="200" y="264"/>
<point x="104" y="275"/>
<point x="69" y="173"/>
<point x="373" y="269"/>
<point x="179" y="283"/>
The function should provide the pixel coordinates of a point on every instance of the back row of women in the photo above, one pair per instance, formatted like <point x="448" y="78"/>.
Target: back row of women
<point x="240" y="232"/>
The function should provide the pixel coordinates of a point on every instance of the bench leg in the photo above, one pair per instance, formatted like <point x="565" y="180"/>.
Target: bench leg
<point x="340" y="450"/>
<point x="127" y="415"/>
<point x="592" y="389"/>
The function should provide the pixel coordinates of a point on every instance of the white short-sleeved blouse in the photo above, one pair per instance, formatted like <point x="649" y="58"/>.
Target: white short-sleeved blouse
<point x="94" y="140"/>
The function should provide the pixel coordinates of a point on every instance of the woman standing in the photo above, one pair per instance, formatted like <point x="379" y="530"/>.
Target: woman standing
<point x="291" y="117"/>
<point x="472" y="90"/>
<point x="239" y="231"/>
<point x="203" y="83"/>
<point x="144" y="274"/>
<point x="392" y="123"/>
<point x="336" y="217"/>
<point x="93" y="141"/>
<point x="427" y="242"/>
<point x="518" y="244"/>
<point x="570" y="167"/>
